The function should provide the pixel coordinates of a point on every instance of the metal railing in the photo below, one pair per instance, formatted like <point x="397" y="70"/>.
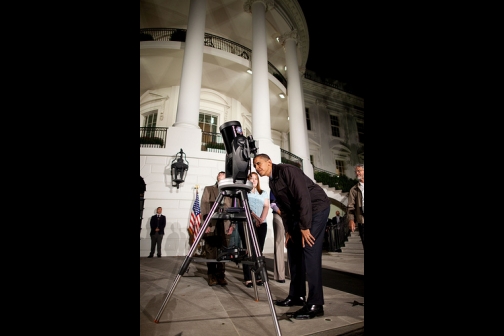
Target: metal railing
<point x="318" y="170"/>
<point x="210" y="40"/>
<point x="212" y="142"/>
<point x="153" y="137"/>
<point x="289" y="158"/>
<point x="342" y="86"/>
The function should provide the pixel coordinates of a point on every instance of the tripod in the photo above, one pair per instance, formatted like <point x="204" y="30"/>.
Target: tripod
<point x="228" y="188"/>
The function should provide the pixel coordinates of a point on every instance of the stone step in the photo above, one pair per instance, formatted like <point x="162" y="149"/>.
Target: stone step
<point x="353" y="244"/>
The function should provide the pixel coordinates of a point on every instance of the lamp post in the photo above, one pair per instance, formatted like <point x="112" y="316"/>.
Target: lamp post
<point x="179" y="168"/>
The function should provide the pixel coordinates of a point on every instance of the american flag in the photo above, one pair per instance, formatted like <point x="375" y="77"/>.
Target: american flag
<point x="195" y="222"/>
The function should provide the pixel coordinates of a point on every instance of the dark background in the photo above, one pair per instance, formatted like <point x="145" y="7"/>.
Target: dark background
<point x="336" y="31"/>
<point x="81" y="214"/>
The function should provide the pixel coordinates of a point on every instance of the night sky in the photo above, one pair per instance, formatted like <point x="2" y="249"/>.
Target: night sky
<point x="336" y="30"/>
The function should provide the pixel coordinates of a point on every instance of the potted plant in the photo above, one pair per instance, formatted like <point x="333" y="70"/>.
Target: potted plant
<point x="216" y="147"/>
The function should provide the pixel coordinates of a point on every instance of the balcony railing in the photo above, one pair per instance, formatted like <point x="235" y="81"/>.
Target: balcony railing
<point x="318" y="170"/>
<point x="289" y="158"/>
<point x="210" y="40"/>
<point x="212" y="142"/>
<point x="153" y="137"/>
<point x="311" y="75"/>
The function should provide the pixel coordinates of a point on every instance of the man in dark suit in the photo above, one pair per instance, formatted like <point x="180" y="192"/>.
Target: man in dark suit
<point x="216" y="234"/>
<point x="304" y="208"/>
<point x="157" y="225"/>
<point x="336" y="219"/>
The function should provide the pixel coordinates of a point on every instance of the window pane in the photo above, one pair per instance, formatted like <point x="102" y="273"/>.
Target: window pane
<point x="208" y="123"/>
<point x="308" y="124"/>
<point x="335" y="126"/>
<point x="340" y="167"/>
<point x="360" y="130"/>
<point x="150" y="119"/>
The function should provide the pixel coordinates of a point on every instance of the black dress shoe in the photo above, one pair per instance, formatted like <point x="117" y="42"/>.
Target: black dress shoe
<point x="309" y="312"/>
<point x="280" y="281"/>
<point x="159" y="255"/>
<point x="150" y="256"/>
<point x="290" y="301"/>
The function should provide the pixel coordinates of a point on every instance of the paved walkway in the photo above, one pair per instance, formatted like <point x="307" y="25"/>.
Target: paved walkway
<point x="194" y="308"/>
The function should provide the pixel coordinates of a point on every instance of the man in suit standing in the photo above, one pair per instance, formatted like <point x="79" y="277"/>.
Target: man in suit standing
<point x="336" y="233"/>
<point x="217" y="233"/>
<point x="304" y="208"/>
<point x="157" y="225"/>
<point x="336" y="219"/>
<point x="356" y="203"/>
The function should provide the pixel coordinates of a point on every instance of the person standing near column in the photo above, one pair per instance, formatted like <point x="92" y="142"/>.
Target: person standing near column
<point x="259" y="206"/>
<point x="279" y="241"/>
<point x="356" y="203"/>
<point x="215" y="235"/>
<point x="157" y="225"/>
<point x="305" y="208"/>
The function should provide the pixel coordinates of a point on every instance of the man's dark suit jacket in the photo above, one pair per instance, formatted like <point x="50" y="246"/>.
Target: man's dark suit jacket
<point x="154" y="223"/>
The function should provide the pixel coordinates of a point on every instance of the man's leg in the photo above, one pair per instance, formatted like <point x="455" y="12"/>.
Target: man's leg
<point x="297" y="289"/>
<point x="211" y="253"/>
<point x="261" y="232"/>
<point x="152" y="245"/>
<point x="313" y="259"/>
<point x="246" y="268"/>
<point x="361" y="233"/>
<point x="313" y="262"/>
<point x="159" y="241"/>
<point x="296" y="265"/>
<point x="212" y="269"/>
<point x="220" y="267"/>
<point x="279" y="240"/>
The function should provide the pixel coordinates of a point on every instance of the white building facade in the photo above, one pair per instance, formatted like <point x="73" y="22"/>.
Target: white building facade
<point x="194" y="57"/>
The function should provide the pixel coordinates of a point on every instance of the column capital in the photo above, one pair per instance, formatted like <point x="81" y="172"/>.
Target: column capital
<point x="293" y="34"/>
<point x="268" y="4"/>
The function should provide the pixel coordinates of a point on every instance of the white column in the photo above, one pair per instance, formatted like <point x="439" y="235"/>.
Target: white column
<point x="261" y="122"/>
<point x="297" y="119"/>
<point x="192" y="67"/>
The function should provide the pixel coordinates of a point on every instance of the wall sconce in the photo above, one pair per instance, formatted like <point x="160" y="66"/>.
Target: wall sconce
<point x="249" y="71"/>
<point x="281" y="95"/>
<point x="179" y="168"/>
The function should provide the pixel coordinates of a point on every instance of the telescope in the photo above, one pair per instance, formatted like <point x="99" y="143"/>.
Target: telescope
<point x="239" y="151"/>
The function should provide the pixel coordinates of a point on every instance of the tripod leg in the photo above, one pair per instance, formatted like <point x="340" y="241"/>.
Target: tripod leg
<point x="260" y="264"/>
<point x="188" y="258"/>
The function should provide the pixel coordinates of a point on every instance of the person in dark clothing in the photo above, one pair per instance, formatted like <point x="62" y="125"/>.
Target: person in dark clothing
<point x="304" y="209"/>
<point x="356" y="203"/>
<point x="337" y="218"/>
<point x="217" y="232"/>
<point x="157" y="225"/>
<point x="259" y="206"/>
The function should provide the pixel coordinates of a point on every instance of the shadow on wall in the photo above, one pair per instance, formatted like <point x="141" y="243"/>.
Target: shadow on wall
<point x="172" y="241"/>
